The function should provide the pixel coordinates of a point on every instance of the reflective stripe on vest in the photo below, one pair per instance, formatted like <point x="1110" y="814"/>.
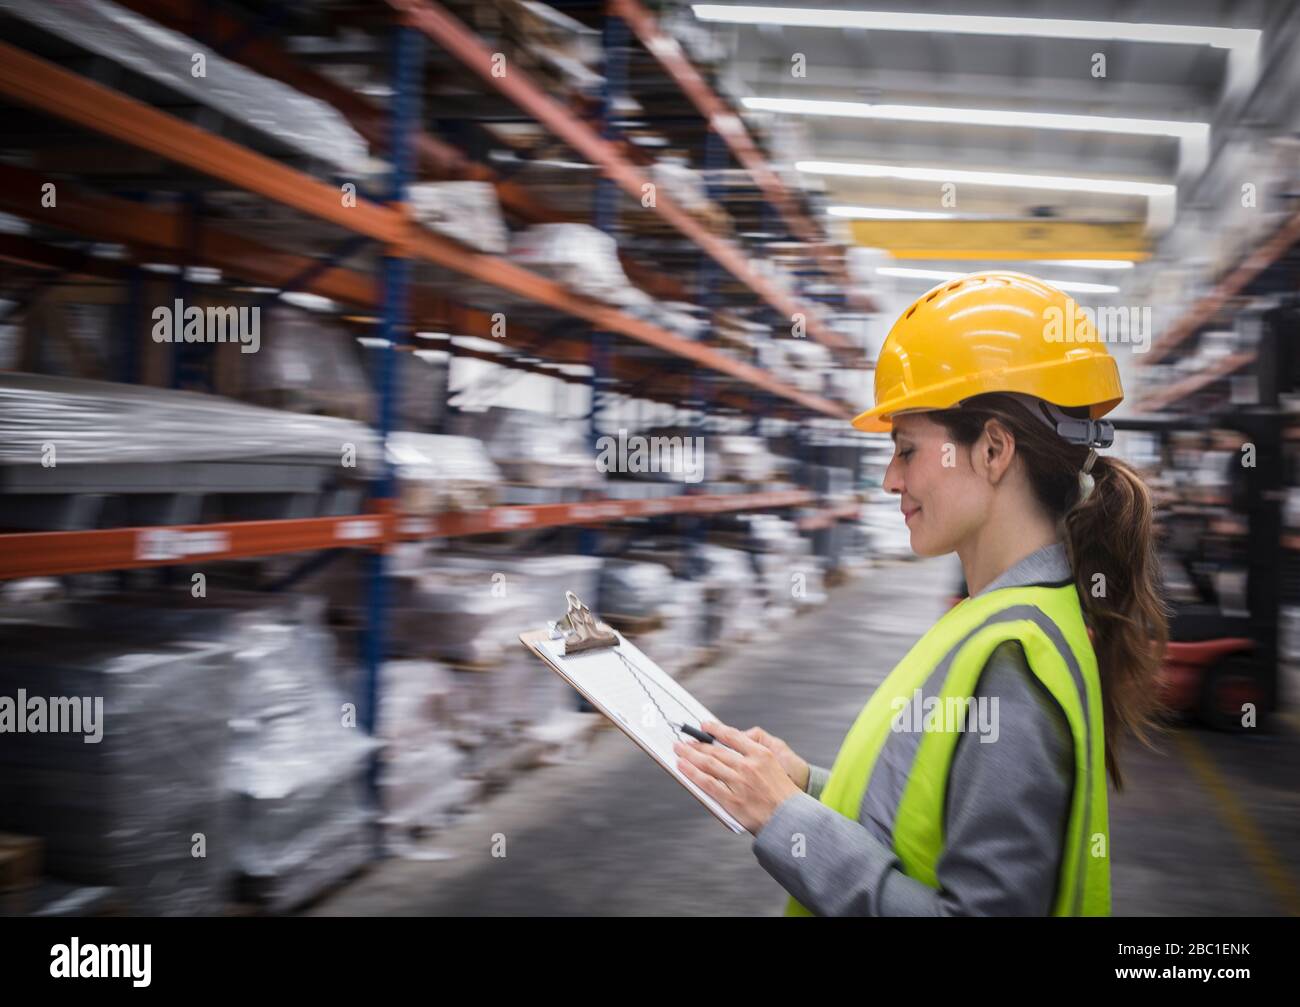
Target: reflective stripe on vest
<point x="945" y="665"/>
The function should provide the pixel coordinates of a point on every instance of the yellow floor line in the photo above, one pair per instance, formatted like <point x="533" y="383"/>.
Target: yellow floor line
<point x="1258" y="849"/>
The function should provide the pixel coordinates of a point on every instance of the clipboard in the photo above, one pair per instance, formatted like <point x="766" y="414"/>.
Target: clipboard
<point x="631" y="691"/>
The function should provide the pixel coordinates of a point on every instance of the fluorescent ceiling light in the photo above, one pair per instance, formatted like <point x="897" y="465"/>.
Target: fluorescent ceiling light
<point x="982" y="117"/>
<point x="883" y="213"/>
<point x="939" y="275"/>
<point x="969" y="24"/>
<point x="1113" y="186"/>
<point x="1089" y="263"/>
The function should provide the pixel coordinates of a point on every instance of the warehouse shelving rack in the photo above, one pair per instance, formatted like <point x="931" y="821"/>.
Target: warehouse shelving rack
<point x="171" y="235"/>
<point x="724" y="122"/>
<point x="1239" y="281"/>
<point x="529" y="97"/>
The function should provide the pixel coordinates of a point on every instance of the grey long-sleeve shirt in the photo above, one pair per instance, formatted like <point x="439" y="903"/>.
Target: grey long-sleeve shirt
<point x="1006" y="811"/>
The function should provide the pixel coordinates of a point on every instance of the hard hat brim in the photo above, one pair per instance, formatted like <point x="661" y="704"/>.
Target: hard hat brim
<point x="872" y="422"/>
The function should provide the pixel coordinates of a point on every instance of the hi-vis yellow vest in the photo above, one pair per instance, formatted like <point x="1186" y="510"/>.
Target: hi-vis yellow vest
<point x="1048" y="623"/>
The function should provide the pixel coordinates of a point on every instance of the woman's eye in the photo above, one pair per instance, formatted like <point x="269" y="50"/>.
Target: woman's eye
<point x="905" y="452"/>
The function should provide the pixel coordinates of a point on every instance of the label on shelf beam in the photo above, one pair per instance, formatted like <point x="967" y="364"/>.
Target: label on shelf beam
<point x="505" y="518"/>
<point x="350" y="531"/>
<point x="165" y="543"/>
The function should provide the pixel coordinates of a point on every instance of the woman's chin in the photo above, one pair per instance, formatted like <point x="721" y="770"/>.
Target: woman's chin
<point x="924" y="548"/>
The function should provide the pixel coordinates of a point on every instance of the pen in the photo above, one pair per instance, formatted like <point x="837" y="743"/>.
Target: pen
<point x="698" y="735"/>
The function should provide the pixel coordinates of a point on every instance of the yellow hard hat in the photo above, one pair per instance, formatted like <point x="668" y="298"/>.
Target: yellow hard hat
<point x="996" y="331"/>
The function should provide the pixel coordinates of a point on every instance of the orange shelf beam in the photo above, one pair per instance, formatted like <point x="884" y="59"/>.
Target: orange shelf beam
<point x="589" y="512"/>
<point x="52" y="553"/>
<point x="56" y="553"/>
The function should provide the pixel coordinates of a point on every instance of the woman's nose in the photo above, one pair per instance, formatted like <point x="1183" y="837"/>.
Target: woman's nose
<point x="893" y="482"/>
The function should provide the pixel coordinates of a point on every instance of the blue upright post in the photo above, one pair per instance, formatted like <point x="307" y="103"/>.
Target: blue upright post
<point x="614" y="38"/>
<point x="715" y="160"/>
<point x="132" y="314"/>
<point x="407" y="84"/>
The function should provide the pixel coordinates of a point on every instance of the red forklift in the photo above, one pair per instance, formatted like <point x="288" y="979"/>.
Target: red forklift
<point x="1222" y="659"/>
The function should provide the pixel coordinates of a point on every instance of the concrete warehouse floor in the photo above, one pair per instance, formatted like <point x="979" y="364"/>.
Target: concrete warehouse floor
<point x="1208" y="825"/>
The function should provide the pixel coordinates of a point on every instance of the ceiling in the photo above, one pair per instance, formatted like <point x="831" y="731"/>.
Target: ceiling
<point x="1143" y="80"/>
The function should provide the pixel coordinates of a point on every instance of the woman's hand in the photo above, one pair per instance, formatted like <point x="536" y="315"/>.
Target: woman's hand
<point x="795" y="767"/>
<point x="738" y="772"/>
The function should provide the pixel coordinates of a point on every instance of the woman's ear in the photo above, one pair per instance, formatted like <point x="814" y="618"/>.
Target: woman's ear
<point x="994" y="451"/>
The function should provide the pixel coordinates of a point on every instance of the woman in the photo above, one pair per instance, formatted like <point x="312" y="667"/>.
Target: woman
<point x="995" y="413"/>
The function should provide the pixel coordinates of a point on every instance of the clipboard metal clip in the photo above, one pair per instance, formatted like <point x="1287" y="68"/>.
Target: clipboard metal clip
<point x="581" y="629"/>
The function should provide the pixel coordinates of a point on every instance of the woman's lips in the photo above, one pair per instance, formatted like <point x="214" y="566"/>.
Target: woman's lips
<point x="909" y="514"/>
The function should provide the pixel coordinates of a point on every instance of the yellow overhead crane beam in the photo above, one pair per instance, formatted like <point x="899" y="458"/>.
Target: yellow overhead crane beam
<point x="1003" y="239"/>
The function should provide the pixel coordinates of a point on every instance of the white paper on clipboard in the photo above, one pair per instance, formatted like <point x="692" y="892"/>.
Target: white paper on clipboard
<point x="638" y="696"/>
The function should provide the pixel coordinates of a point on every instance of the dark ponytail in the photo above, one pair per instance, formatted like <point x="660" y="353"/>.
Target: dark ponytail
<point x="1111" y="544"/>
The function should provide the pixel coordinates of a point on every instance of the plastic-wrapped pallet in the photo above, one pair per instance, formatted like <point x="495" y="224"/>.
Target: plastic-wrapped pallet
<point x="677" y="644"/>
<point x="741" y="458"/>
<point x="773" y="356"/>
<point x="421" y="781"/>
<point x="685" y="319"/>
<point x="465" y="210"/>
<point x="456" y="615"/>
<point x="101" y="423"/>
<point x="123" y="810"/>
<point x="580" y="256"/>
<point x="809" y="355"/>
<point x="682" y="184"/>
<point x="634" y="590"/>
<point x="803" y="362"/>
<point x="791" y="576"/>
<point x="308" y="364"/>
<point x="789" y="583"/>
<point x="779" y="582"/>
<point x="469" y="612"/>
<point x="420" y="383"/>
<point x="302" y="824"/>
<point x="297" y="769"/>
<point x="435" y="472"/>
<point x="275" y="110"/>
<point x="533" y="449"/>
<point x="527" y="692"/>
<point x="734" y="601"/>
<point x="540" y="580"/>
<point x="560" y="53"/>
